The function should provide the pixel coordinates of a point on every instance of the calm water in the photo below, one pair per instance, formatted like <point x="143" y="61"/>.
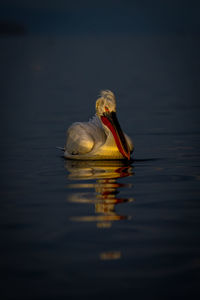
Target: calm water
<point x="106" y="229"/>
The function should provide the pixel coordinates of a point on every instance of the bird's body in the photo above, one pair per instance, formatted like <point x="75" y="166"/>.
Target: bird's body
<point x="101" y="138"/>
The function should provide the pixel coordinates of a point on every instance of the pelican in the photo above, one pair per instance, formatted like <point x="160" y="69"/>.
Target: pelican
<point x="102" y="137"/>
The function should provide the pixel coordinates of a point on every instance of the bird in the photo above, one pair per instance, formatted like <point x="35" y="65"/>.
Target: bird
<point x="101" y="138"/>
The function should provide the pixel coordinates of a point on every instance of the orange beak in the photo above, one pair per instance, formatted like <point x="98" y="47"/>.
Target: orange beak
<point x="110" y="120"/>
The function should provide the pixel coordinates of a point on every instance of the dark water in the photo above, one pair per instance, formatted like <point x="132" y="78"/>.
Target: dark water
<point x="100" y="230"/>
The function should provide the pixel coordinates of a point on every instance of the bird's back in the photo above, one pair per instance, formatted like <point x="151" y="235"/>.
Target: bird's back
<point x="82" y="137"/>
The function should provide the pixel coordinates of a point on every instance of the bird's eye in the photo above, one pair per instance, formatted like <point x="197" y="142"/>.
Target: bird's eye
<point x="106" y="108"/>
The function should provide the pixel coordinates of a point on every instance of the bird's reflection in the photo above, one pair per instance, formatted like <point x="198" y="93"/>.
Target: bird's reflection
<point x="104" y="175"/>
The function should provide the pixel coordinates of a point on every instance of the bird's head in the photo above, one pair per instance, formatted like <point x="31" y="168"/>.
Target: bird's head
<point x="106" y="111"/>
<point x="105" y="103"/>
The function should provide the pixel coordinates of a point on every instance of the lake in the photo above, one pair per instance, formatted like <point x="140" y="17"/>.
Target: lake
<point x="100" y="229"/>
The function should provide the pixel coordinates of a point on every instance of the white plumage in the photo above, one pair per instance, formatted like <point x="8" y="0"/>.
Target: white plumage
<point x="101" y="137"/>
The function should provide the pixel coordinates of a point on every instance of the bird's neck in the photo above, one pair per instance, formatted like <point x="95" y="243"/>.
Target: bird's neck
<point x="96" y="121"/>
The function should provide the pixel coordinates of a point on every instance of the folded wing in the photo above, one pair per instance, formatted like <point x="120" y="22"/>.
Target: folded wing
<point x="79" y="140"/>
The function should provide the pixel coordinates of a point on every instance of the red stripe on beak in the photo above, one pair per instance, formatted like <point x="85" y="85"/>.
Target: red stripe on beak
<point x="110" y="120"/>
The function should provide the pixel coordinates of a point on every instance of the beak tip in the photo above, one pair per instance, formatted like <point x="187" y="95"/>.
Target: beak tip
<point x="128" y="156"/>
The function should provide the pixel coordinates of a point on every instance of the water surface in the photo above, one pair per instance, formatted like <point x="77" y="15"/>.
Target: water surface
<point x="100" y="229"/>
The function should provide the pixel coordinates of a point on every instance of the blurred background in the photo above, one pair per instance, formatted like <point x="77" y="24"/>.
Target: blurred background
<point x="55" y="57"/>
<point x="99" y="17"/>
